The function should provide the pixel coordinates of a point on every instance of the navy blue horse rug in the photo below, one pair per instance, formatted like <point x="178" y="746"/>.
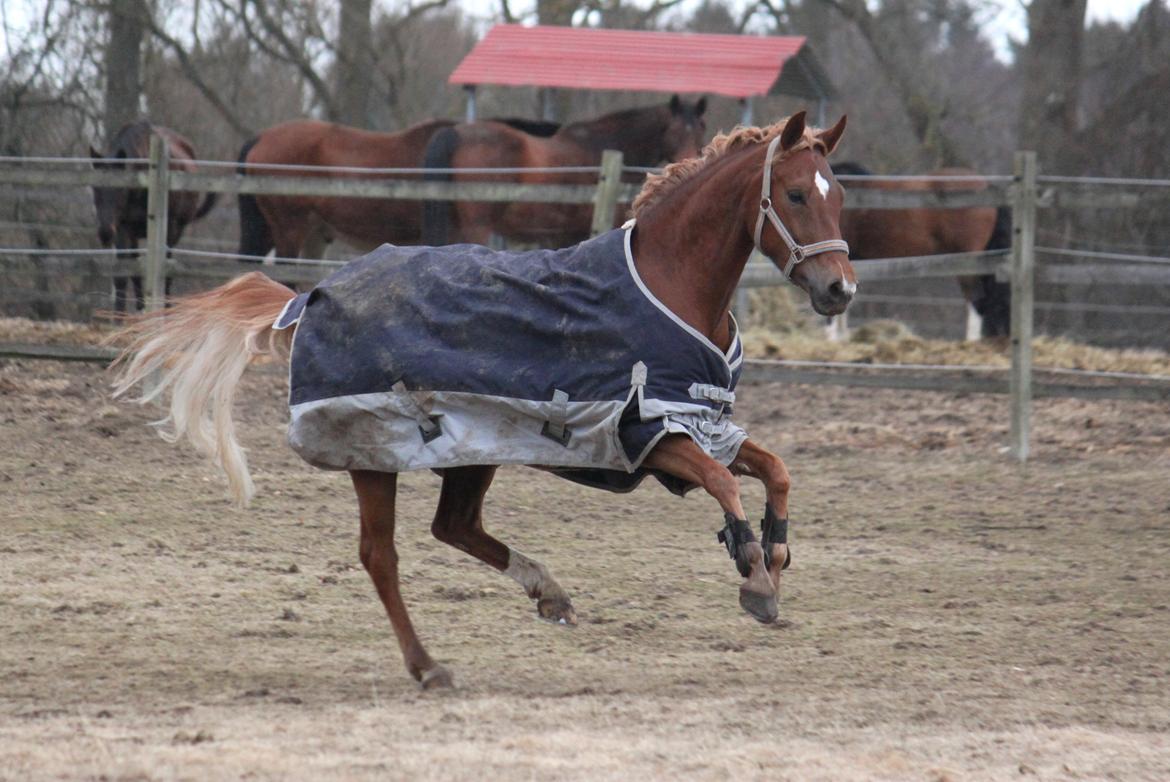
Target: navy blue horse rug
<point x="419" y="357"/>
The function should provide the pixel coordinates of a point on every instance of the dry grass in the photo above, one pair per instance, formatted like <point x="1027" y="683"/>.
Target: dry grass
<point x="53" y="332"/>
<point x="887" y="342"/>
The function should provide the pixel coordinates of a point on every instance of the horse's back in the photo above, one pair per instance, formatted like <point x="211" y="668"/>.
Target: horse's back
<point x="317" y="143"/>
<point x="892" y="233"/>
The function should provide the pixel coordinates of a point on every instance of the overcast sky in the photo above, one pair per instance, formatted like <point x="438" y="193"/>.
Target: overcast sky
<point x="1008" y="21"/>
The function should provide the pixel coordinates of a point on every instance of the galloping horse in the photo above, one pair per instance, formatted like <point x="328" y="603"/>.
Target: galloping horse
<point x="646" y="136"/>
<point x="893" y="233"/>
<point x="302" y="225"/>
<point x="603" y="362"/>
<point x="121" y="212"/>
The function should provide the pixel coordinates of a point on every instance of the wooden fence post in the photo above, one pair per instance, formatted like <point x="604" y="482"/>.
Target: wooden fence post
<point x="157" y="192"/>
<point x="1023" y="277"/>
<point x="608" y="182"/>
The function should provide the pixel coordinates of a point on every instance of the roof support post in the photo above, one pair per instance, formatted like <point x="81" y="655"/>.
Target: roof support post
<point x="547" y="110"/>
<point x="469" y="115"/>
<point x="746" y="118"/>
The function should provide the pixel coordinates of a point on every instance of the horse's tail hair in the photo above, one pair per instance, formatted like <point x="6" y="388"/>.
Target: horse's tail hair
<point x="209" y="202"/>
<point x="437" y="215"/>
<point x="255" y="235"/>
<point x="198" y="349"/>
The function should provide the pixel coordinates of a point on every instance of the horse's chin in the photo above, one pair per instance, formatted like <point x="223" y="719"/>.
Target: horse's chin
<point x="821" y="304"/>
<point x="828" y="309"/>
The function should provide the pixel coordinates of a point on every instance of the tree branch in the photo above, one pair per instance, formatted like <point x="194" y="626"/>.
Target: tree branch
<point x="193" y="76"/>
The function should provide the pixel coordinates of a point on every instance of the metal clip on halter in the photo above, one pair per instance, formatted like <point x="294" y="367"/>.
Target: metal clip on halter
<point x="736" y="534"/>
<point x="774" y="531"/>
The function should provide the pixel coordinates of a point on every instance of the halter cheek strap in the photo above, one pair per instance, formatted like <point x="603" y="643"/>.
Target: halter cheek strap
<point x="796" y="252"/>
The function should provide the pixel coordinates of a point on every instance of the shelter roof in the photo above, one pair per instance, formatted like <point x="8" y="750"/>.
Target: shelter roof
<point x="740" y="66"/>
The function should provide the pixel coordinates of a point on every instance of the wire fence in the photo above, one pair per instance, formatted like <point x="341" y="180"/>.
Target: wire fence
<point x="1021" y="192"/>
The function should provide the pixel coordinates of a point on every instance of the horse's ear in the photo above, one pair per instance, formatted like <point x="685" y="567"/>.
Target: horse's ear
<point x="793" y="131"/>
<point x="675" y="104"/>
<point x="701" y="106"/>
<point x="831" y="137"/>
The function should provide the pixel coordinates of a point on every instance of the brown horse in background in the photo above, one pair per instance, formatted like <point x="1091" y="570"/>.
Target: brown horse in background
<point x="894" y="233"/>
<point x="302" y="225"/>
<point x="647" y="136"/>
<point x="121" y="212"/>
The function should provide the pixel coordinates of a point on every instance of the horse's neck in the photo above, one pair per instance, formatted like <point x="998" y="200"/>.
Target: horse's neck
<point x="690" y="249"/>
<point x="636" y="135"/>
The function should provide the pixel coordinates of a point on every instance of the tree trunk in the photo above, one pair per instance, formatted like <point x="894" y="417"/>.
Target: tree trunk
<point x="123" y="60"/>
<point x="355" y="64"/>
<point x="1050" y="66"/>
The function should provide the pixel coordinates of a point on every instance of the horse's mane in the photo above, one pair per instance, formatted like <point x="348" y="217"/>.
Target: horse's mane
<point x="132" y="139"/>
<point x="850" y="168"/>
<point x="659" y="185"/>
<point x="621" y="117"/>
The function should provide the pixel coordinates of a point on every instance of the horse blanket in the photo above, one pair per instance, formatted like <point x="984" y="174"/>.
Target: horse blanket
<point x="431" y="357"/>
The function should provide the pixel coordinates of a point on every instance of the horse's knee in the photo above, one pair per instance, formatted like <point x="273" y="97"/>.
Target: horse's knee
<point x="777" y="476"/>
<point x="443" y="530"/>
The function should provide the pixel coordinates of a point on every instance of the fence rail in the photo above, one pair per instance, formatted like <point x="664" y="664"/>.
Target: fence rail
<point x="1024" y="192"/>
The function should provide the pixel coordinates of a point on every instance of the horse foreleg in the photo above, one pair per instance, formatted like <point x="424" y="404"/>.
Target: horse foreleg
<point x="459" y="523"/>
<point x="679" y="456"/>
<point x="760" y="463"/>
<point x="120" y="294"/>
<point x="376" y="493"/>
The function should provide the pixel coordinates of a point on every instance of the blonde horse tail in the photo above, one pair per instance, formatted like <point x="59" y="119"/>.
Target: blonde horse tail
<point x="198" y="349"/>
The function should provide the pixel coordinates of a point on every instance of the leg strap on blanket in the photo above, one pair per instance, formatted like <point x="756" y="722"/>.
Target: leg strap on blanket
<point x="428" y="425"/>
<point x="736" y="534"/>
<point x="774" y="530"/>
<point x="554" y="428"/>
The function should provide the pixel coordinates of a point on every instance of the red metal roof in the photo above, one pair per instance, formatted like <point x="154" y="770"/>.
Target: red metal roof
<point x="586" y="58"/>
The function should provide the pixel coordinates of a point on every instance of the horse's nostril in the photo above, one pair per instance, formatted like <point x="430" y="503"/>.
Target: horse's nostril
<point x="839" y="290"/>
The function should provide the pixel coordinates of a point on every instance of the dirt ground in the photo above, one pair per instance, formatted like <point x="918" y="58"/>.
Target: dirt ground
<point x="949" y="615"/>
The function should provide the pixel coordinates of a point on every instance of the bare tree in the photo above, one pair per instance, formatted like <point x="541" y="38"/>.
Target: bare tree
<point x="123" y="60"/>
<point x="1050" y="70"/>
<point x="355" y="67"/>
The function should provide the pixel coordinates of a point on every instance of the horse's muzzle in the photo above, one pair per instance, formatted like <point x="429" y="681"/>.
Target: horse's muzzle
<point x="834" y="298"/>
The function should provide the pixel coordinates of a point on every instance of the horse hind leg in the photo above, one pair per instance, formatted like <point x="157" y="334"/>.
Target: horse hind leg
<point x="459" y="523"/>
<point x="376" y="496"/>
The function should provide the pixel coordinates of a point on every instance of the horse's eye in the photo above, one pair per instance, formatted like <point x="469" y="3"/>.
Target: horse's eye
<point x="796" y="197"/>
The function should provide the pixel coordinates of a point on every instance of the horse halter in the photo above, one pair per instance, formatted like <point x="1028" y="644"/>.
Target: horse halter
<point x="796" y="252"/>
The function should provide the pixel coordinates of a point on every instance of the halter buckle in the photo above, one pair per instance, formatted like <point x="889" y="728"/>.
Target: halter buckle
<point x="797" y="254"/>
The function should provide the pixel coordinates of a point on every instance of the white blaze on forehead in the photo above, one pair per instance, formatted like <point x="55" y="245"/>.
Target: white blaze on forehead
<point x="822" y="184"/>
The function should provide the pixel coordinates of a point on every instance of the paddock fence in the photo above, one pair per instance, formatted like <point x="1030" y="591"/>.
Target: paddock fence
<point x="1025" y="192"/>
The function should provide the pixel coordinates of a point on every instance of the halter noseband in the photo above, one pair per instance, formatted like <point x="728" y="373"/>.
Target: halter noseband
<point x="797" y="252"/>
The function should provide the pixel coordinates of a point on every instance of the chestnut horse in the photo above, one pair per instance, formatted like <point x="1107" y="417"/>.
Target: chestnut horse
<point x="121" y="212"/>
<point x="647" y="136"/>
<point x="893" y="233"/>
<point x="695" y="225"/>
<point x="302" y="225"/>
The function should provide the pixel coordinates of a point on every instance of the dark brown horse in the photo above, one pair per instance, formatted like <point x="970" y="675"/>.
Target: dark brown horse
<point x="696" y="224"/>
<point x="121" y="212"/>
<point x="302" y="225"/>
<point x="893" y="233"/>
<point x="646" y="136"/>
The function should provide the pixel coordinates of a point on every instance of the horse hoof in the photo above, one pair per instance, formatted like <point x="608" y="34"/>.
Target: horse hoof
<point x="437" y="678"/>
<point x="762" y="606"/>
<point x="557" y="610"/>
